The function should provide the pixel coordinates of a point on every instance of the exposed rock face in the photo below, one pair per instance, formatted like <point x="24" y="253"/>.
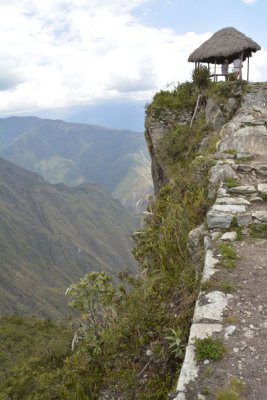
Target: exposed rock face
<point x="247" y="131"/>
<point x="157" y="125"/>
<point x="217" y="174"/>
<point x="218" y="114"/>
<point x="195" y="245"/>
<point x="158" y="175"/>
<point x="160" y="122"/>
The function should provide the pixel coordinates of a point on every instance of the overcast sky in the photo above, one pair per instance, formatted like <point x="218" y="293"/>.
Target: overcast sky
<point x="57" y="53"/>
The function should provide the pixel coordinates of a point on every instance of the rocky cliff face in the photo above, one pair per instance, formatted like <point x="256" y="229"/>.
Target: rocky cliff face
<point x="159" y="122"/>
<point x="157" y="125"/>
<point x="231" y="307"/>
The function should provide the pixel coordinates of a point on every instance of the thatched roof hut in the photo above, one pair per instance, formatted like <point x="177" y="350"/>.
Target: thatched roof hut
<point x="227" y="43"/>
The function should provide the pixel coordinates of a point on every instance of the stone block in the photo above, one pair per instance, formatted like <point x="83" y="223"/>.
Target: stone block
<point x="244" y="219"/>
<point x="219" y="220"/>
<point x="262" y="188"/>
<point x="245" y="189"/>
<point x="229" y="208"/>
<point x="260" y="216"/>
<point x="232" y="200"/>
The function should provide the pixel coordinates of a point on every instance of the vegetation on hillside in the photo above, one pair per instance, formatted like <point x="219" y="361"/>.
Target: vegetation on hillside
<point x="32" y="356"/>
<point x="72" y="153"/>
<point x="51" y="235"/>
<point x="132" y="336"/>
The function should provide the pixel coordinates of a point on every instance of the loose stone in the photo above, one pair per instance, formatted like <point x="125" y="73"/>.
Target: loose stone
<point x="246" y="189"/>
<point x="229" y="236"/>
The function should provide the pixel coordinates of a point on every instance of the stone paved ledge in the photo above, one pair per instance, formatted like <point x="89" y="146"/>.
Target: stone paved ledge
<point x="240" y="318"/>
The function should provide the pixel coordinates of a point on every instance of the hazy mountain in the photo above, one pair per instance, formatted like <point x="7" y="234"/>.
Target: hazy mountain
<point x="114" y="115"/>
<point x="51" y="235"/>
<point x="74" y="153"/>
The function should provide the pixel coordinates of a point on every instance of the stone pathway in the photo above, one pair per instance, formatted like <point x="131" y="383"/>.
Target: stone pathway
<point x="240" y="317"/>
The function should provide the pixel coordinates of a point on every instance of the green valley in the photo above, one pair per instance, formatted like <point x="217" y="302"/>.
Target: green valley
<point x="51" y="235"/>
<point x="74" y="153"/>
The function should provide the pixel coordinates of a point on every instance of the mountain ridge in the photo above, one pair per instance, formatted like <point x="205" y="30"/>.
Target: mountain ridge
<point x="51" y="235"/>
<point x="73" y="153"/>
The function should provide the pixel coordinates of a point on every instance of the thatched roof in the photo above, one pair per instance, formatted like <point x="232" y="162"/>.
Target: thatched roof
<point x="228" y="43"/>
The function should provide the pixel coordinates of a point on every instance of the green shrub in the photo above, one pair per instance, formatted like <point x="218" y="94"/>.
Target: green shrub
<point x="222" y="91"/>
<point x="229" y="256"/>
<point x="258" y="230"/>
<point x="209" y="349"/>
<point x="264" y="196"/>
<point x="232" y="77"/>
<point x="227" y="394"/>
<point x="231" y="182"/>
<point x="181" y="145"/>
<point x="230" y="151"/>
<point x="232" y="391"/>
<point x="182" y="97"/>
<point x="227" y="287"/>
<point x="200" y="77"/>
<point x="228" y="252"/>
<point x="214" y="284"/>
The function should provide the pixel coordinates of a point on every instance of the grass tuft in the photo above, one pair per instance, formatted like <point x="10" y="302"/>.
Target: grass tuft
<point x="229" y="256"/>
<point x="231" y="182"/>
<point x="232" y="391"/>
<point x="258" y="231"/>
<point x="209" y="349"/>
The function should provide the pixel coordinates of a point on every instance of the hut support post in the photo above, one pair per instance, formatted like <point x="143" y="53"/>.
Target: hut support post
<point x="215" y="71"/>
<point x="241" y="58"/>
<point x="248" y="69"/>
<point x="195" y="112"/>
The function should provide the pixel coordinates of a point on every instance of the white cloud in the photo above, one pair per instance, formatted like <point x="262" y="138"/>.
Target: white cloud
<point x="57" y="53"/>
<point x="258" y="63"/>
<point x="249" y="1"/>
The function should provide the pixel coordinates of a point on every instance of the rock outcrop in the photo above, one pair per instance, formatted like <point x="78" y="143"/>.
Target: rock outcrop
<point x="238" y="185"/>
<point x="156" y="126"/>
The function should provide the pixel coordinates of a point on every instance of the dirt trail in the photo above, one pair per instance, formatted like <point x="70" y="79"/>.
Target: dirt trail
<point x="246" y="315"/>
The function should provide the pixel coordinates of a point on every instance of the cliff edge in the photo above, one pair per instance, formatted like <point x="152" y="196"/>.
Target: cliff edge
<point x="226" y="351"/>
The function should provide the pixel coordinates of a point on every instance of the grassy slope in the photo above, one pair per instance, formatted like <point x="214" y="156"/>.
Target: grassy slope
<point x="51" y="235"/>
<point x="73" y="153"/>
<point x="31" y="349"/>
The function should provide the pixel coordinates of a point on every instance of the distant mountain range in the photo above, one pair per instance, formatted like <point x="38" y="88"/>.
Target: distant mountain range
<point x="74" y="153"/>
<point x="114" y="115"/>
<point x="51" y="235"/>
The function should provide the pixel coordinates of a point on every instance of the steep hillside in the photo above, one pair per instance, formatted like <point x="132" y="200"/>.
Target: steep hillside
<point x="133" y="339"/>
<point x="75" y="153"/>
<point x="51" y="235"/>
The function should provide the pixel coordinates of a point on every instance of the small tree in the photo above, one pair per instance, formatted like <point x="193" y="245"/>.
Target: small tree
<point x="200" y="77"/>
<point x="95" y="297"/>
<point x="201" y="80"/>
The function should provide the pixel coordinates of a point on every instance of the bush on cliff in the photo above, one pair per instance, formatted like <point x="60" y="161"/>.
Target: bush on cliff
<point x="182" y="97"/>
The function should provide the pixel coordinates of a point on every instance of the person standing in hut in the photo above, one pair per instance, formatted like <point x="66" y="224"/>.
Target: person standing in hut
<point x="225" y="66"/>
<point x="238" y="67"/>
